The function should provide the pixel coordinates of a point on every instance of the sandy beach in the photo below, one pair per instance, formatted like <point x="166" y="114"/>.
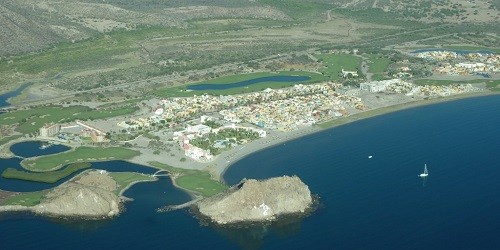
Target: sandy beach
<point x="223" y="161"/>
<point x="226" y="159"/>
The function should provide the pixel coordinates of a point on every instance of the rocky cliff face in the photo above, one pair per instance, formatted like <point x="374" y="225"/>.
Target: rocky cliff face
<point x="255" y="200"/>
<point x="76" y="200"/>
<point x="91" y="196"/>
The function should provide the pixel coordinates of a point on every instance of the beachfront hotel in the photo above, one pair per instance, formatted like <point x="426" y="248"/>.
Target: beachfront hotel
<point x="49" y="130"/>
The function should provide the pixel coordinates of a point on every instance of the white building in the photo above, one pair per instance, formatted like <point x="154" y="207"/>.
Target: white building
<point x="346" y="73"/>
<point x="197" y="153"/>
<point x="49" y="130"/>
<point x="159" y="111"/>
<point x="378" y="86"/>
<point x="199" y="129"/>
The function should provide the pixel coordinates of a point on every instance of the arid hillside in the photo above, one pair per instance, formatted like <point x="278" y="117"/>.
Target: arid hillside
<point x="20" y="32"/>
<point x="452" y="11"/>
<point x="29" y="25"/>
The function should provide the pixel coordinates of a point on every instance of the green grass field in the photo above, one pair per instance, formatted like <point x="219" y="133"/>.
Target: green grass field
<point x="335" y="63"/>
<point x="493" y="85"/>
<point x="46" y="177"/>
<point x="378" y="64"/>
<point x="81" y="154"/>
<point x="181" y="91"/>
<point x="31" y="120"/>
<point x="125" y="178"/>
<point x="25" y="199"/>
<point x="196" y="181"/>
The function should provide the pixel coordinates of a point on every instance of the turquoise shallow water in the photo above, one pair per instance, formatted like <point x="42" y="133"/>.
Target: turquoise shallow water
<point x="377" y="203"/>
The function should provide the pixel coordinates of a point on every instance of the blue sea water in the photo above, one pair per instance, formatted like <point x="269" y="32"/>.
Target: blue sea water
<point x="221" y="86"/>
<point x="366" y="203"/>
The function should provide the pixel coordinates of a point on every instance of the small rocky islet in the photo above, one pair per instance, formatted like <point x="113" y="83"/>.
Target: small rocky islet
<point x="258" y="201"/>
<point x="90" y="196"/>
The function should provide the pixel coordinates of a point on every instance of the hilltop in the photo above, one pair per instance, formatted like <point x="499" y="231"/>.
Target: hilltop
<point x="82" y="50"/>
<point x="30" y="25"/>
<point x="456" y="11"/>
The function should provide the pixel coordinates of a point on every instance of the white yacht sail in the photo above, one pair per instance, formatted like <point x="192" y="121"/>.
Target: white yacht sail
<point x="425" y="173"/>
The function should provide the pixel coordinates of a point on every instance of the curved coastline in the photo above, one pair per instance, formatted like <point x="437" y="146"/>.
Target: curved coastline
<point x="251" y="148"/>
<point x="222" y="165"/>
<point x="129" y="186"/>
<point x="5" y="148"/>
<point x="5" y="151"/>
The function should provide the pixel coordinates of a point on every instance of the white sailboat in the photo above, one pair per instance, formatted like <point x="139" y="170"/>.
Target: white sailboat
<point x="425" y="173"/>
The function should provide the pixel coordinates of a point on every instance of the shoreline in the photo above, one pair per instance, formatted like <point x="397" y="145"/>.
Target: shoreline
<point x="226" y="159"/>
<point x="120" y="194"/>
<point x="253" y="147"/>
<point x="403" y="106"/>
<point x="124" y="199"/>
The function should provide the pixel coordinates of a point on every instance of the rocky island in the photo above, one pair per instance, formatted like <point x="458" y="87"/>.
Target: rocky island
<point x="90" y="196"/>
<point x="93" y="194"/>
<point x="255" y="201"/>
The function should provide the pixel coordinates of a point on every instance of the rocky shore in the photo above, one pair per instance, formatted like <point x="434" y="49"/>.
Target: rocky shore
<point x="255" y="201"/>
<point x="77" y="200"/>
<point x="90" y="196"/>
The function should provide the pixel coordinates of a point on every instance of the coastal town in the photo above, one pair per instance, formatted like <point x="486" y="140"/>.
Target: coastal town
<point x="239" y="119"/>
<point x="193" y="132"/>
<point x="249" y="124"/>
<point x="456" y="63"/>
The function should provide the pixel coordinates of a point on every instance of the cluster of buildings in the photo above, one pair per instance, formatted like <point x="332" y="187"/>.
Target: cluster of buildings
<point x="463" y="63"/>
<point x="185" y="136"/>
<point x="380" y="86"/>
<point x="442" y="90"/>
<point x="467" y="68"/>
<point x="316" y="103"/>
<point x="401" y="87"/>
<point x="283" y="109"/>
<point x="440" y="55"/>
<point x="277" y="109"/>
<point x="97" y="135"/>
<point x="139" y="123"/>
<point x="82" y="129"/>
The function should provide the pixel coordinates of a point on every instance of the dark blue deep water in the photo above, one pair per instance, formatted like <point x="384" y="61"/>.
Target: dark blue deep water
<point x="221" y="86"/>
<point x="377" y="203"/>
